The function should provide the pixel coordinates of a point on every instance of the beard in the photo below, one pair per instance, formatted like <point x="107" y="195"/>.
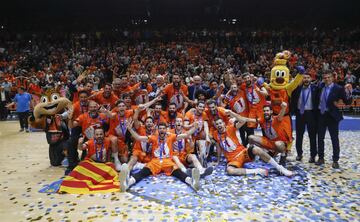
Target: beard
<point x="176" y="84"/>
<point x="267" y="116"/>
<point x="107" y="94"/>
<point x="172" y="115"/>
<point x="93" y="114"/>
<point x="248" y="83"/>
<point x="99" y="140"/>
<point x="83" y="103"/>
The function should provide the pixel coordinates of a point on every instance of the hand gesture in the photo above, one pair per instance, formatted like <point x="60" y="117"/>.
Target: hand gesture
<point x="283" y="105"/>
<point x="81" y="140"/>
<point x="129" y="124"/>
<point x="300" y="69"/>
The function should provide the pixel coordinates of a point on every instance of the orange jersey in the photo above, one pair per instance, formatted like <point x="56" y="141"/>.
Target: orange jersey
<point x="277" y="97"/>
<point x="171" y="121"/>
<point x="229" y="142"/>
<point x="238" y="103"/>
<point x="78" y="109"/>
<point x="109" y="102"/>
<point x="276" y="130"/>
<point x="158" y="118"/>
<point x="173" y="95"/>
<point x="220" y="114"/>
<point x="192" y="117"/>
<point x="87" y="123"/>
<point x="162" y="148"/>
<point x="118" y="124"/>
<point x="99" y="151"/>
<point x="253" y="96"/>
<point x="181" y="147"/>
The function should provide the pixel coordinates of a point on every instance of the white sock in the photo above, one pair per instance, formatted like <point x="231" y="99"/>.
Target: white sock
<point x="116" y="157"/>
<point x="201" y="170"/>
<point x="132" y="181"/>
<point x="183" y="169"/>
<point x="280" y="168"/>
<point x="188" y="180"/>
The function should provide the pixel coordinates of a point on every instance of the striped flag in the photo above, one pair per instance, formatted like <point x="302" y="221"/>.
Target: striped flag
<point x="91" y="177"/>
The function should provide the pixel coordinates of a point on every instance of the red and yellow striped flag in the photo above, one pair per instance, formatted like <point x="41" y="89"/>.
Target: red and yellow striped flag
<point x="91" y="177"/>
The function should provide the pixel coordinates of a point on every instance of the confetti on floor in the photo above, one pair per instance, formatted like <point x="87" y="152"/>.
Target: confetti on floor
<point x="316" y="193"/>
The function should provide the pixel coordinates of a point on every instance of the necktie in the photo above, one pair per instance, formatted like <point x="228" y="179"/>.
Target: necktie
<point x="304" y="99"/>
<point x="323" y="100"/>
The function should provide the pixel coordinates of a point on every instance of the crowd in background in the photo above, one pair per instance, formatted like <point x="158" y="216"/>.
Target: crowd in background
<point x="38" y="61"/>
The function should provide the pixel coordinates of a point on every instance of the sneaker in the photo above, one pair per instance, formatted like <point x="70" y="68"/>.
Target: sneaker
<point x="27" y="130"/>
<point x="21" y="130"/>
<point x="287" y="173"/>
<point x="123" y="177"/>
<point x="312" y="160"/>
<point x="335" y="165"/>
<point x="320" y="162"/>
<point x="139" y="166"/>
<point x="299" y="158"/>
<point x="207" y="172"/>
<point x="264" y="172"/>
<point x="195" y="183"/>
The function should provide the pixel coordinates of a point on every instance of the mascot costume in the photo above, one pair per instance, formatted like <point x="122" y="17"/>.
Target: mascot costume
<point x="280" y="88"/>
<point x="51" y="116"/>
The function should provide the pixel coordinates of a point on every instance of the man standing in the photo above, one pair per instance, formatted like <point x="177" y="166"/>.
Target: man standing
<point x="304" y="105"/>
<point x="329" y="95"/>
<point x="4" y="97"/>
<point x="23" y="102"/>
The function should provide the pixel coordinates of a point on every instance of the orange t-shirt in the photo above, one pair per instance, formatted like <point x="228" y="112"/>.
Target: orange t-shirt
<point x="220" y="114"/>
<point x="276" y="130"/>
<point x="108" y="103"/>
<point x="78" y="109"/>
<point x="162" y="148"/>
<point x="181" y="147"/>
<point x="229" y="142"/>
<point x="140" y="97"/>
<point x="192" y="117"/>
<point x="277" y="97"/>
<point x="118" y="124"/>
<point x="101" y="151"/>
<point x="87" y="123"/>
<point x="238" y="103"/>
<point x="173" y="95"/>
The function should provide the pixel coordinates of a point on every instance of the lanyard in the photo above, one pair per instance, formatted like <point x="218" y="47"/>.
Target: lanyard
<point x="162" y="148"/>
<point x="268" y="127"/>
<point x="225" y="145"/>
<point x="199" y="119"/>
<point x="179" y="143"/>
<point x="251" y="93"/>
<point x="122" y="123"/>
<point x="99" y="155"/>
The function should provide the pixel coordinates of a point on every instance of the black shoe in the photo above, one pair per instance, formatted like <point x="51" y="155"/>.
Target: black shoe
<point x="27" y="130"/>
<point x="21" y="130"/>
<point x="312" y="160"/>
<point x="335" y="165"/>
<point x="320" y="162"/>
<point x="282" y="161"/>
<point x="299" y="158"/>
<point x="207" y="172"/>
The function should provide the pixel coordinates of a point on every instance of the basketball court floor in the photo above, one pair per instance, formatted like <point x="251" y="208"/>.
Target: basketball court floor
<point x="315" y="193"/>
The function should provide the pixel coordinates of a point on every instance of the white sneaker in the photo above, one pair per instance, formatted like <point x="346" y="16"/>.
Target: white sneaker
<point x="123" y="177"/>
<point x="138" y="166"/>
<point x="195" y="183"/>
<point x="287" y="173"/>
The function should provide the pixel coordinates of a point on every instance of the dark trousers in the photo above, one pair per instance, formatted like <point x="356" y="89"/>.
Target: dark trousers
<point x="72" y="143"/>
<point x="3" y="110"/>
<point x="308" y="120"/>
<point x="145" y="172"/>
<point x="245" y="132"/>
<point x="23" y="119"/>
<point x="326" y="121"/>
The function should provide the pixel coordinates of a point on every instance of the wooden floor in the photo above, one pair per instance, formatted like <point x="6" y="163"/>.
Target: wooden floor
<point x="24" y="170"/>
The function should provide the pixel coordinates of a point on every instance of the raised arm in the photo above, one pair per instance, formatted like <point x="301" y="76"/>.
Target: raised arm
<point x="189" y="132"/>
<point x="282" y="111"/>
<point x="135" y="134"/>
<point x="241" y="120"/>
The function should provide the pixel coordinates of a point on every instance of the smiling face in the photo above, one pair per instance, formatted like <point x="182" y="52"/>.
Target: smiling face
<point x="280" y="75"/>
<point x="51" y="104"/>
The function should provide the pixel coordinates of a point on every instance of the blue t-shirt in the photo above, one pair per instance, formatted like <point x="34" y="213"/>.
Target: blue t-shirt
<point x="22" y="102"/>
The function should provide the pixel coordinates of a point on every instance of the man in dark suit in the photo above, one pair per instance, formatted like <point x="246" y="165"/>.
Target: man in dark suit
<point x="4" y="99"/>
<point x="304" y="104"/>
<point x="329" y="94"/>
<point x="196" y="87"/>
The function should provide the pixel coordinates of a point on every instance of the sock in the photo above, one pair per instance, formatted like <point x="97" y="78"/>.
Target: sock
<point x="132" y="181"/>
<point x="116" y="157"/>
<point x="188" y="180"/>
<point x="183" y="169"/>
<point x="201" y="170"/>
<point x="280" y="168"/>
